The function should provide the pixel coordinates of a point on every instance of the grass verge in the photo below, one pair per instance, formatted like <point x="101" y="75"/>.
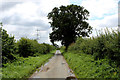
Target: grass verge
<point x="84" y="66"/>
<point x="24" y="67"/>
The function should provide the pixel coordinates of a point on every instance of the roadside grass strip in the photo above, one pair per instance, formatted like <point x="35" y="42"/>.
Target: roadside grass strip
<point x="84" y="66"/>
<point x="24" y="67"/>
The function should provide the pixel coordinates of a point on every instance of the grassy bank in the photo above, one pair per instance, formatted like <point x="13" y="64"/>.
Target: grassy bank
<point x="24" y="67"/>
<point x="84" y="66"/>
<point x="95" y="57"/>
<point x="105" y="45"/>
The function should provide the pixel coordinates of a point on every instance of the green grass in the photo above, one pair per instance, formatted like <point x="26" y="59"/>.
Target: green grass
<point x="24" y="67"/>
<point x="84" y="66"/>
<point x="105" y="45"/>
<point x="53" y="51"/>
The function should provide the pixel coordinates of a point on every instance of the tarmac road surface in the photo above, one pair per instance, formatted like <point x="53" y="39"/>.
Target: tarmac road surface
<point x="55" y="68"/>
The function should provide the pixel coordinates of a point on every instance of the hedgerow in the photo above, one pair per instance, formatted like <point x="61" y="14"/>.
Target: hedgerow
<point x="84" y="66"/>
<point x="20" y="59"/>
<point x="104" y="45"/>
<point x="25" y="47"/>
<point x="95" y="57"/>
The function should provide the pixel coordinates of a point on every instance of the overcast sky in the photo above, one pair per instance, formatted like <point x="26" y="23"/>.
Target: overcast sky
<point x="23" y="18"/>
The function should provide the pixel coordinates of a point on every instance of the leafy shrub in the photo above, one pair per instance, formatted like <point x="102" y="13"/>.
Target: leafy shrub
<point x="27" y="47"/>
<point x="103" y="46"/>
<point x="84" y="66"/>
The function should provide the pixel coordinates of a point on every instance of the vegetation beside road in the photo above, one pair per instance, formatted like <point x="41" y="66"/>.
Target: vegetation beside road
<point x="84" y="66"/>
<point x="104" y="45"/>
<point x="24" y="67"/>
<point x="24" y="47"/>
<point x="21" y="58"/>
<point x="96" y="57"/>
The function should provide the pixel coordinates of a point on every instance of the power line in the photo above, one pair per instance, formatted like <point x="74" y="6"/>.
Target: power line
<point x="37" y="34"/>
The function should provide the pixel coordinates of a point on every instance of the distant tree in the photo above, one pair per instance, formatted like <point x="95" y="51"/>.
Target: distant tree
<point x="68" y="23"/>
<point x="28" y="47"/>
<point x="25" y="47"/>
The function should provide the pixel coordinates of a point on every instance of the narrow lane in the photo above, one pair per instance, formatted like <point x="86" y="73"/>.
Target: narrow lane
<point x="55" y="68"/>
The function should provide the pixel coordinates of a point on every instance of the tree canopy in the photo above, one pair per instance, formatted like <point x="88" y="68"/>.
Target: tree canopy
<point x="8" y="46"/>
<point x="68" y="23"/>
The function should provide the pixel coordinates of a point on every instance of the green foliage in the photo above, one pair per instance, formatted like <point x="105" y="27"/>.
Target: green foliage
<point x="68" y="23"/>
<point x="8" y="46"/>
<point x="103" y="46"/>
<point x="96" y="57"/>
<point x="28" y="47"/>
<point x="47" y="48"/>
<point x="24" y="47"/>
<point x="62" y="47"/>
<point x="84" y="66"/>
<point x="0" y="53"/>
<point x="24" y="67"/>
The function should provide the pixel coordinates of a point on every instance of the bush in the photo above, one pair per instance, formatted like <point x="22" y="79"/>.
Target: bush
<point x="27" y="47"/>
<point x="103" y="46"/>
<point x="84" y="66"/>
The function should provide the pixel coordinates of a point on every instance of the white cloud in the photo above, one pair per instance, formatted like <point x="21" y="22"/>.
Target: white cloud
<point x="99" y="8"/>
<point x="47" y="5"/>
<point x="25" y="17"/>
<point x="103" y="14"/>
<point x="22" y="17"/>
<point x="108" y="21"/>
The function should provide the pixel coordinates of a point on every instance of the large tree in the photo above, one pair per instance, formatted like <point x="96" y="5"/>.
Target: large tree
<point x="68" y="23"/>
<point x="8" y="46"/>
